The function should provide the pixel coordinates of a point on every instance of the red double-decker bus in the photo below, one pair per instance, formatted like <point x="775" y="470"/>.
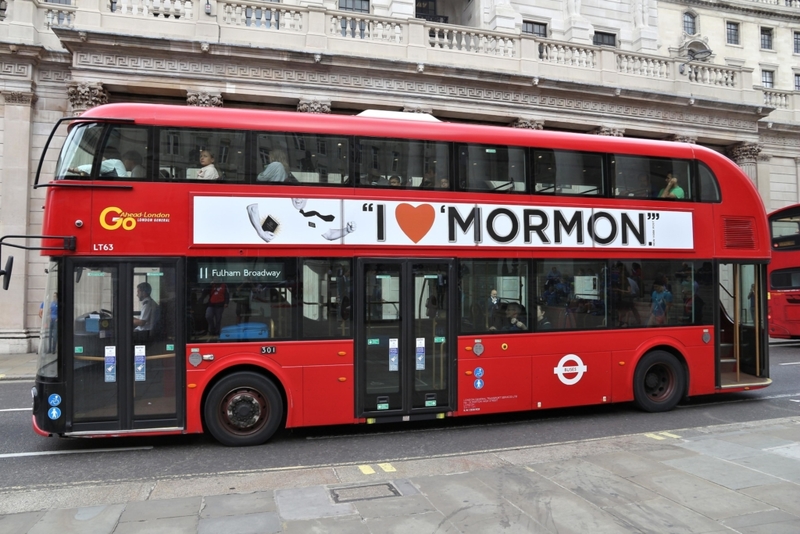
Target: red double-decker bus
<point x="232" y="272"/>
<point x="784" y="274"/>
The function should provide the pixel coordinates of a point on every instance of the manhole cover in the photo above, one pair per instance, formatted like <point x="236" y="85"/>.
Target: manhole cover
<point x="364" y="493"/>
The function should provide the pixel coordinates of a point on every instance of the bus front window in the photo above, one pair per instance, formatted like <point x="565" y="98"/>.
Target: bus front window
<point x="77" y="155"/>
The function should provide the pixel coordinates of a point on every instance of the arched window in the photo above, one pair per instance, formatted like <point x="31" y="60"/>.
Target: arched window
<point x="689" y="23"/>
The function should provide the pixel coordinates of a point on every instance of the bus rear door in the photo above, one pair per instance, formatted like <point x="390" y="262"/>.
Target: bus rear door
<point x="405" y="338"/>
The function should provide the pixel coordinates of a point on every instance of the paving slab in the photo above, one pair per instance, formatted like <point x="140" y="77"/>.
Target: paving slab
<point x="338" y="525"/>
<point x="593" y="483"/>
<point x="760" y="518"/>
<point x="260" y="523"/>
<point x="88" y="520"/>
<point x="238" y="503"/>
<point x="665" y="517"/>
<point x="310" y="503"/>
<point x="394" y="507"/>
<point x="552" y="506"/>
<point x="628" y="464"/>
<point x="169" y="525"/>
<point x="425" y="523"/>
<point x="784" y="496"/>
<point x="781" y="467"/>
<point x="19" y="523"/>
<point x="161" y="509"/>
<point x="724" y="473"/>
<point x="718" y="448"/>
<point x="700" y="495"/>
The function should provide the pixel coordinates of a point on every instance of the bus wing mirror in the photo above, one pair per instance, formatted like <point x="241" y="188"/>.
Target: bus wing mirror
<point x="6" y="273"/>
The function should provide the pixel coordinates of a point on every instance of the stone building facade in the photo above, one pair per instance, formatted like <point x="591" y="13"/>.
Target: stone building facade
<point x="725" y="75"/>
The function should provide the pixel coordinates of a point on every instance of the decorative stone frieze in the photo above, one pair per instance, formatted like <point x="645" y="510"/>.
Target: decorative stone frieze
<point x="743" y="153"/>
<point x="85" y="95"/>
<point x="608" y="131"/>
<point x="528" y="124"/>
<point x="764" y="157"/>
<point x="19" y="98"/>
<point x="678" y="138"/>
<point x="314" y="106"/>
<point x="417" y="109"/>
<point x="204" y="100"/>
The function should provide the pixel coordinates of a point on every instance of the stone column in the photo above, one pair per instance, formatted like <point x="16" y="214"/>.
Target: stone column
<point x="314" y="105"/>
<point x="744" y="155"/>
<point x="609" y="131"/>
<point x="528" y="123"/>
<point x="797" y="177"/>
<point x="85" y="95"/>
<point x="204" y="100"/>
<point x="763" y="174"/>
<point x="677" y="138"/>
<point x="15" y="205"/>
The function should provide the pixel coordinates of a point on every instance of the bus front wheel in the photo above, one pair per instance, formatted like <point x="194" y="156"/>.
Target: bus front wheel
<point x="243" y="409"/>
<point x="659" y="382"/>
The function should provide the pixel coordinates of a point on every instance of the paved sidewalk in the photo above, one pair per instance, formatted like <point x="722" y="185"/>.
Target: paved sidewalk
<point x="729" y="478"/>
<point x="742" y="477"/>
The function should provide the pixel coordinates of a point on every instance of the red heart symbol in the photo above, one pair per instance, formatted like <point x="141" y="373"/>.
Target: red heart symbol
<point x="415" y="222"/>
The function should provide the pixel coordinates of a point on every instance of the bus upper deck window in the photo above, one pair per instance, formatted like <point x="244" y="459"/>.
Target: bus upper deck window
<point x="709" y="188"/>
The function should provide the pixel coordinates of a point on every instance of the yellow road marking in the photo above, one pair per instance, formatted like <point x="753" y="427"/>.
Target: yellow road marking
<point x="367" y="470"/>
<point x="387" y="467"/>
<point x="655" y="436"/>
<point x="669" y="435"/>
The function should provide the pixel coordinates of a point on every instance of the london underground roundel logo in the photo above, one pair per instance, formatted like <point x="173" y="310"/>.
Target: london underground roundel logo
<point x="570" y="369"/>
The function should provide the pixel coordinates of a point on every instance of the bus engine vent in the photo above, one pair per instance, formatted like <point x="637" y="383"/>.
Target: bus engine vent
<point x="739" y="232"/>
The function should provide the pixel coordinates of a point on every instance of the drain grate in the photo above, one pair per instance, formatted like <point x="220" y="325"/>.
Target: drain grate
<point x="364" y="493"/>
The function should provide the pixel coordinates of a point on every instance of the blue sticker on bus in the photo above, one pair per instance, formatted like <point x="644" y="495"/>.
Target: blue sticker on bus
<point x="54" y="399"/>
<point x="478" y="372"/>
<point x="54" y="413"/>
<point x="478" y="383"/>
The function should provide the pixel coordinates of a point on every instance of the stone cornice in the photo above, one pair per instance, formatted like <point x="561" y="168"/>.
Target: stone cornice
<point x="743" y="7"/>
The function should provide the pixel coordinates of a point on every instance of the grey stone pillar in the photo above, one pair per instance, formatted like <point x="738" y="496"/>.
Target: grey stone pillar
<point x="745" y="156"/>
<point x="15" y="205"/>
<point x="314" y="105"/>
<point x="204" y="100"/>
<point x="85" y="95"/>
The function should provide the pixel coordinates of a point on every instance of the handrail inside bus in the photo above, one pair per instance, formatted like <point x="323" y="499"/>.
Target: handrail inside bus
<point x="91" y="184"/>
<point x="53" y="132"/>
<point x="69" y="244"/>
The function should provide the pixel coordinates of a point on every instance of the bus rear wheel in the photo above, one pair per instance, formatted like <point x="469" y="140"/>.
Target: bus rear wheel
<point x="243" y="409"/>
<point x="659" y="382"/>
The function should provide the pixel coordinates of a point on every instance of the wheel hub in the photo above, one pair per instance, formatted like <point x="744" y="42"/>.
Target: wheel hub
<point x="243" y="410"/>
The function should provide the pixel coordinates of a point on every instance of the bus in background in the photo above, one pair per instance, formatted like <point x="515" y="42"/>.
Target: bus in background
<point x="235" y="271"/>
<point x="783" y="304"/>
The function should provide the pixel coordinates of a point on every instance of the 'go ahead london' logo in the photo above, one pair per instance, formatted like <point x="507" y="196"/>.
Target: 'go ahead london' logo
<point x="113" y="218"/>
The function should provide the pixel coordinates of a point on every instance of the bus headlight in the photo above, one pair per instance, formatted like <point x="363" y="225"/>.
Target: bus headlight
<point x="34" y="392"/>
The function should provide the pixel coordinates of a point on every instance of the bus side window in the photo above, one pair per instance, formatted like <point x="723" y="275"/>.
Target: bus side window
<point x="126" y="154"/>
<point x="300" y="158"/>
<point x="499" y="169"/>
<point x="709" y="188"/>
<point x="566" y="172"/>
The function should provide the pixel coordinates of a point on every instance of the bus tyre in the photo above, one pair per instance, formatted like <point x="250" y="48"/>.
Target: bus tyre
<point x="659" y="382"/>
<point x="243" y="409"/>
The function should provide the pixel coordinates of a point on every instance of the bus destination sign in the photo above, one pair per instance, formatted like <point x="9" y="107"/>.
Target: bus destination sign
<point x="237" y="272"/>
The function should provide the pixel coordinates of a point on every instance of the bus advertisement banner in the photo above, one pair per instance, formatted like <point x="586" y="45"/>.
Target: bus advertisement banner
<point x="292" y="221"/>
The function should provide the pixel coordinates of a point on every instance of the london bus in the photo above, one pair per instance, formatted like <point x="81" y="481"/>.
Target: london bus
<point x="783" y="306"/>
<point x="235" y="272"/>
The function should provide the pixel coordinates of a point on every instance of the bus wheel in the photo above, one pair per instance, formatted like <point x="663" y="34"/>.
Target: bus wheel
<point x="658" y="383"/>
<point x="243" y="409"/>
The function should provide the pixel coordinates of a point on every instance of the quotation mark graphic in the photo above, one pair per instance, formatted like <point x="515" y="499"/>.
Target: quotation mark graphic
<point x="653" y="216"/>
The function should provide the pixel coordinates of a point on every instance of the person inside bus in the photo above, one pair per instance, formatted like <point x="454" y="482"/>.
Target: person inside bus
<point x="133" y="164"/>
<point x="395" y="181"/>
<point x="444" y="183"/>
<point x="515" y="319"/>
<point x="110" y="167"/>
<point x="542" y="322"/>
<point x="278" y="168"/>
<point x="217" y="297"/>
<point x="149" y="309"/>
<point x="208" y="170"/>
<point x="428" y="179"/>
<point x="671" y="189"/>
<point x="660" y="302"/>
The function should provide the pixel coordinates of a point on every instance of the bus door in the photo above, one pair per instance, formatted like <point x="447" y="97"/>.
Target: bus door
<point x="124" y="346"/>
<point x="405" y="338"/>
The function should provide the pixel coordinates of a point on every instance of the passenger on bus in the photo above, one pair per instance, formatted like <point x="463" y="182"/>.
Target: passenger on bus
<point x="444" y="183"/>
<point x="515" y="320"/>
<point x="395" y="181"/>
<point x="110" y="167"/>
<point x="671" y="189"/>
<point x="660" y="302"/>
<point x="428" y="179"/>
<point x="208" y="171"/>
<point x="278" y="168"/>
<point x="133" y="164"/>
<point x="542" y="323"/>
<point x="149" y="309"/>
